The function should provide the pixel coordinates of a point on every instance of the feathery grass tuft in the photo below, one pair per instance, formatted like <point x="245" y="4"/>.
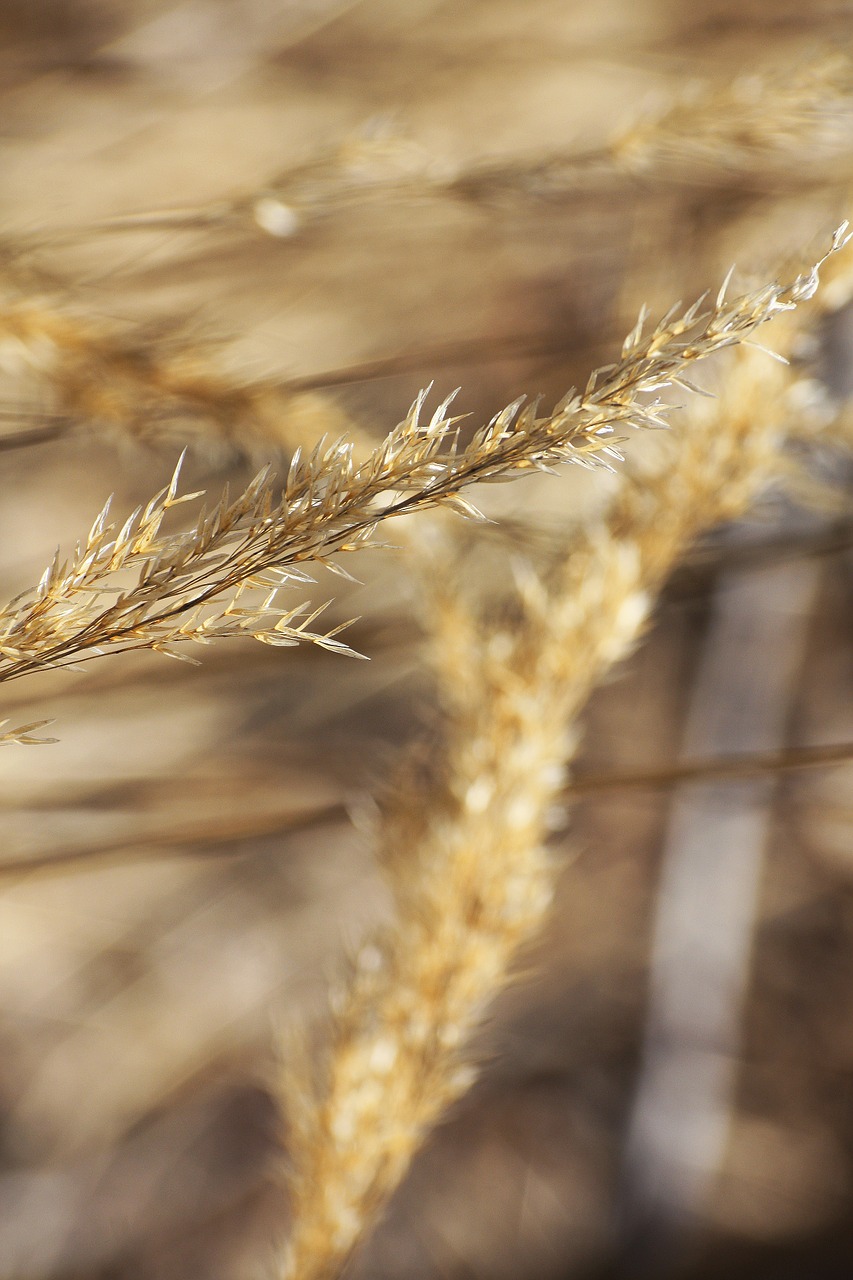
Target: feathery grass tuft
<point x="137" y="587"/>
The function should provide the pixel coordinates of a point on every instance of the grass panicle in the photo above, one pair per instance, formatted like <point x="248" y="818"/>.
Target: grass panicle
<point x="786" y="123"/>
<point x="138" y="587"/>
<point x="466" y="853"/>
<point x="152" y="389"/>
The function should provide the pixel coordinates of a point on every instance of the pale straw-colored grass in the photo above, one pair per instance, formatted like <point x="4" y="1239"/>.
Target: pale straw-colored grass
<point x="138" y="587"/>
<point x="466" y="852"/>
<point x="786" y="122"/>
<point x="149" y="388"/>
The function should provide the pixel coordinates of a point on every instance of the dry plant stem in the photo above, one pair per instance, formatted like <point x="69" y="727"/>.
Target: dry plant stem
<point x="476" y="880"/>
<point x="718" y="769"/>
<point x="754" y="125"/>
<point x="761" y="129"/>
<point x="214" y="840"/>
<point x="148" y="388"/>
<point x="787" y="125"/>
<point x="138" y="587"/>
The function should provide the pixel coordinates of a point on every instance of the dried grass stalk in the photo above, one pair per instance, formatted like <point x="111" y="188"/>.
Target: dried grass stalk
<point x="752" y="126"/>
<point x="468" y="866"/>
<point x="151" y="389"/>
<point x="137" y="587"/>
<point x="791" y="123"/>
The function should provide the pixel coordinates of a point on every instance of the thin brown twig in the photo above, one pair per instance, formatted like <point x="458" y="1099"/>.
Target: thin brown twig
<point x="725" y="769"/>
<point x="214" y="840"/>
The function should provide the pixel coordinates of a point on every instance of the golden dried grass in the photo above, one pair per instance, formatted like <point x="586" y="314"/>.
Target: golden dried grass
<point x="244" y="551"/>
<point x="466" y="854"/>
<point x="466" y="848"/>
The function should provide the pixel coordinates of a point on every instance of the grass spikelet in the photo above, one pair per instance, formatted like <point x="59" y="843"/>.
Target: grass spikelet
<point x="24" y="734"/>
